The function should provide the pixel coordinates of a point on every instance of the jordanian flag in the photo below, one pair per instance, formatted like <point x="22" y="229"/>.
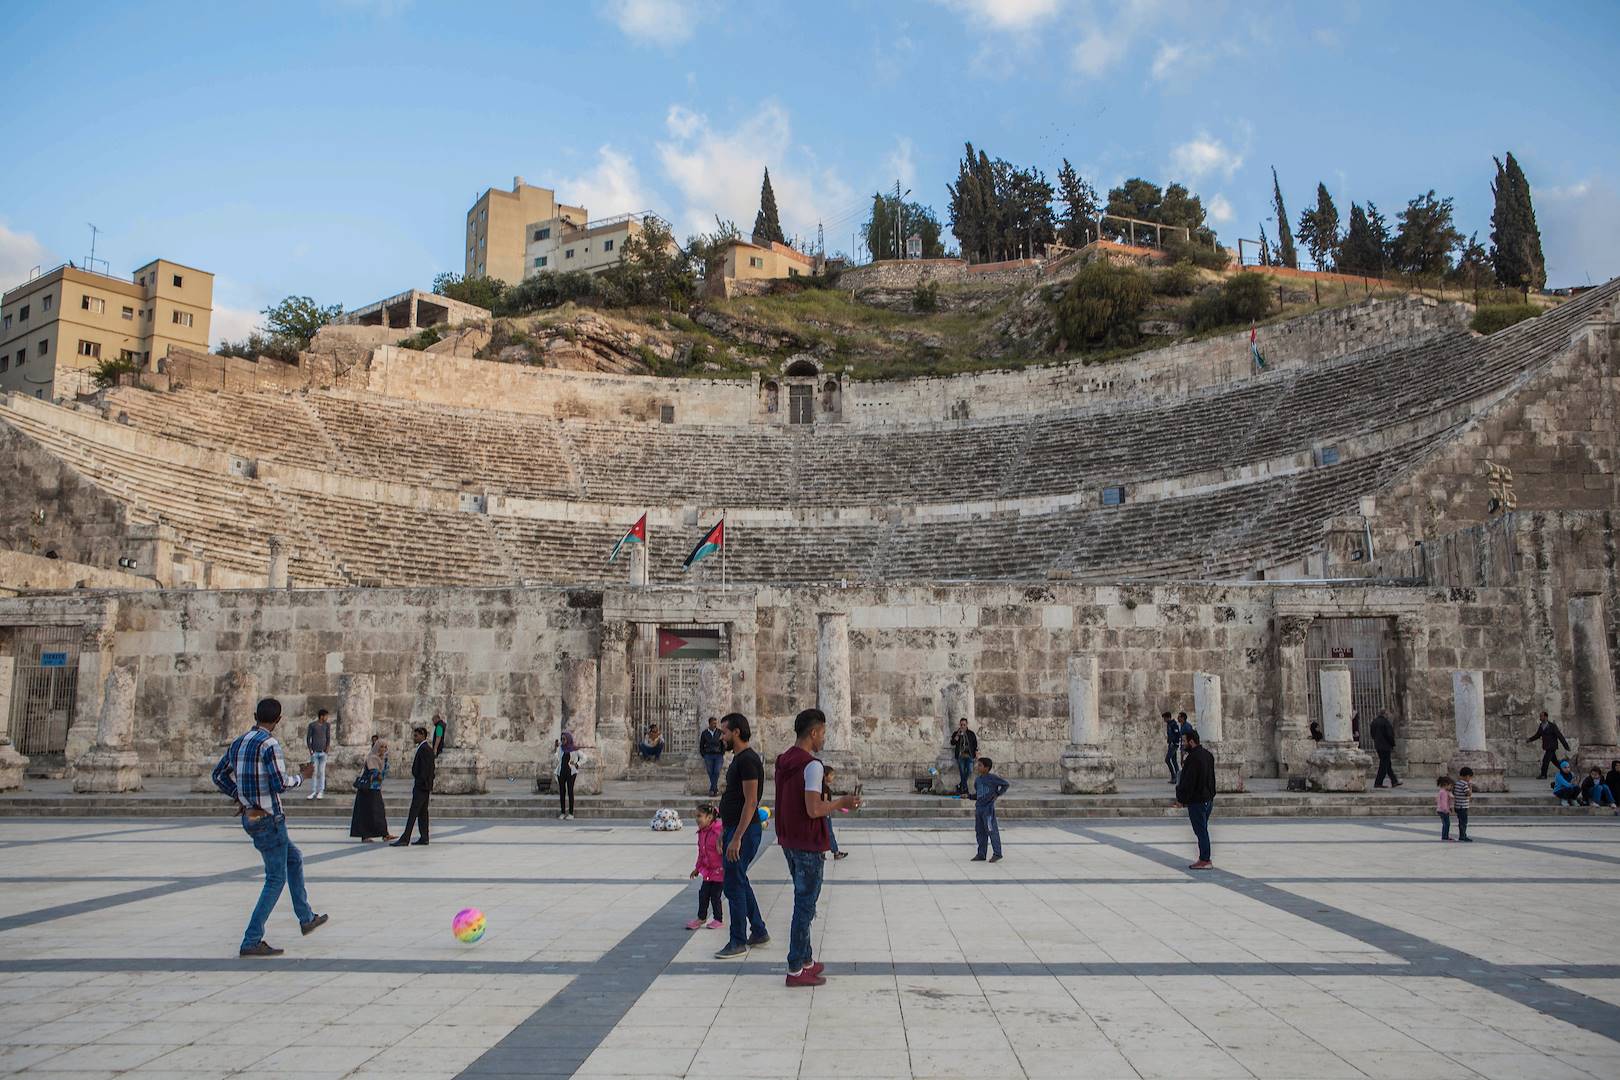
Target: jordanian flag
<point x="636" y="535"/>
<point x="688" y="644"/>
<point x="1255" y="354"/>
<point x="712" y="541"/>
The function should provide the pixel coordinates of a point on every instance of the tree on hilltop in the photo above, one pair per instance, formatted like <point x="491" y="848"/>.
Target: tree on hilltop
<point x="1361" y="251"/>
<point x="1426" y="236"/>
<point x="477" y="290"/>
<point x="1319" y="229"/>
<point x="1285" y="239"/>
<point x="767" y="226"/>
<point x="297" y="318"/>
<point x="1143" y="200"/>
<point x="892" y="222"/>
<point x="999" y="210"/>
<point x="1515" y="239"/>
<point x="1078" y="225"/>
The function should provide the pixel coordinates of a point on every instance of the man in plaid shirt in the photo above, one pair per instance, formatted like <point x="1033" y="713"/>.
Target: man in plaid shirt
<point x="252" y="773"/>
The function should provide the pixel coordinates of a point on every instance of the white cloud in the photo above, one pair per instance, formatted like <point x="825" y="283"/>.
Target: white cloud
<point x="901" y="163"/>
<point x="1097" y="52"/>
<point x="231" y="324"/>
<point x="1166" y="60"/>
<point x="1113" y="29"/>
<point x="1220" y="210"/>
<point x="1202" y="156"/>
<point x="612" y="187"/>
<point x="1005" y="15"/>
<point x="718" y="171"/>
<point x="653" y="22"/>
<point x="1580" y="227"/>
<point x="19" y="254"/>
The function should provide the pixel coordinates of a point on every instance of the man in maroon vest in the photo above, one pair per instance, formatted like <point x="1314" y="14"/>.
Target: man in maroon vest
<point x="801" y="832"/>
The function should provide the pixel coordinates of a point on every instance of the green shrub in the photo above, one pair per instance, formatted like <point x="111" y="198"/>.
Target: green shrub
<point x="107" y="372"/>
<point x="422" y="338"/>
<point x="1178" y="280"/>
<point x="547" y="289"/>
<point x="1493" y="317"/>
<point x="1102" y="305"/>
<point x="925" y="297"/>
<point x="1241" y="298"/>
<point x="1200" y="255"/>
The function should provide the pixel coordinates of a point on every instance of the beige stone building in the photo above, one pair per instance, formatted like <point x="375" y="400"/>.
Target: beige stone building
<point x="748" y="261"/>
<point x="561" y="243"/>
<point x="56" y="328"/>
<point x="498" y="228"/>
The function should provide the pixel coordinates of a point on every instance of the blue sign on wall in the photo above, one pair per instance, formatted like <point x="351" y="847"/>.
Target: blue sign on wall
<point x="53" y="659"/>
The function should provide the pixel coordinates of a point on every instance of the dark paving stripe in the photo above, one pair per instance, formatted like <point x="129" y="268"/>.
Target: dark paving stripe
<point x="1425" y="956"/>
<point x="1475" y="824"/>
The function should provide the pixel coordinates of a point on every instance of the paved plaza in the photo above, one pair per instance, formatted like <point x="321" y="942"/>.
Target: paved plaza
<point x="1317" y="949"/>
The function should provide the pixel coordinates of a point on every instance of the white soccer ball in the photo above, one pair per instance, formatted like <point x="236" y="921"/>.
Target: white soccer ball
<point x="666" y="820"/>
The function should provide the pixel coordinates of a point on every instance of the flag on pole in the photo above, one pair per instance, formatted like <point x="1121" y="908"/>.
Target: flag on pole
<point x="1255" y="355"/>
<point x="714" y="540"/>
<point x="636" y="535"/>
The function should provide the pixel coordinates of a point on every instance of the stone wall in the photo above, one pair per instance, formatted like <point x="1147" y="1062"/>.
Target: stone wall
<point x="20" y="571"/>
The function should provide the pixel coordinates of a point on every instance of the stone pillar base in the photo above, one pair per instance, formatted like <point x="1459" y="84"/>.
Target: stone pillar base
<point x="12" y="765"/>
<point x="848" y="765"/>
<point x="464" y="772"/>
<point x="1489" y="772"/>
<point x="1087" y="770"/>
<point x="588" y="781"/>
<point x="1337" y="767"/>
<point x="1228" y="774"/>
<point x="1588" y="755"/>
<point x="945" y="774"/>
<point x="107" y="770"/>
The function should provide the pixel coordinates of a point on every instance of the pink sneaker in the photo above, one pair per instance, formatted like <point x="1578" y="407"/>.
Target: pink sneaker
<point x="715" y="924"/>
<point x="694" y="924"/>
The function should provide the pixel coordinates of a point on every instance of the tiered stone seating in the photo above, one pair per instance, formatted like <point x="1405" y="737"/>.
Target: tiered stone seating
<point x="279" y="427"/>
<point x="390" y="544"/>
<point x="657" y="464"/>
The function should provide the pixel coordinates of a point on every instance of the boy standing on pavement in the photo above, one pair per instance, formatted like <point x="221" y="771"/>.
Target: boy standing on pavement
<point x="987" y="787"/>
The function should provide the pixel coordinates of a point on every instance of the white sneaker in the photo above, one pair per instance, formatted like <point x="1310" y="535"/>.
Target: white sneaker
<point x="311" y="797"/>
<point x="570" y="817"/>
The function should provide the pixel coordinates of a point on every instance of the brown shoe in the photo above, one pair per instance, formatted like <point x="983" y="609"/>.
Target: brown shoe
<point x="313" y="925"/>
<point x="263" y="948"/>
<point x="1201" y="864"/>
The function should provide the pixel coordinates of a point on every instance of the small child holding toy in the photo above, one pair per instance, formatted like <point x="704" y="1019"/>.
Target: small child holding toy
<point x="709" y="867"/>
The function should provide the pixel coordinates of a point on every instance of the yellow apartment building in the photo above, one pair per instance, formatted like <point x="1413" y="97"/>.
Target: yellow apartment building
<point x="559" y="244"/>
<point x="55" y="328"/>
<point x="498" y="228"/>
<point x="749" y="261"/>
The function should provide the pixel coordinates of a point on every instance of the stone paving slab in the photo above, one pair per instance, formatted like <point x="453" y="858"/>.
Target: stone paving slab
<point x="1353" y="948"/>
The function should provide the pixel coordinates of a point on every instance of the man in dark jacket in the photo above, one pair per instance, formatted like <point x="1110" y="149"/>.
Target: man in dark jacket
<point x="712" y="748"/>
<point x="1196" y="791"/>
<point x="1549" y="735"/>
<point x="1383" y="737"/>
<point x="965" y="749"/>
<point x="1172" y="746"/>
<point x="422" y="767"/>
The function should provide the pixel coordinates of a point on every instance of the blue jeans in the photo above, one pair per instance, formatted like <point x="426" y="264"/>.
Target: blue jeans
<point x="650" y="753"/>
<point x="1172" y="758"/>
<point x="283" y="866"/>
<point x="1602" y="795"/>
<point x="739" y="893"/>
<point x="964" y="766"/>
<point x="1445" y="825"/>
<point x="986" y="828"/>
<point x="804" y="868"/>
<point x="319" y="758"/>
<point x="712" y="763"/>
<point x="1198" y="813"/>
<point x="832" y="840"/>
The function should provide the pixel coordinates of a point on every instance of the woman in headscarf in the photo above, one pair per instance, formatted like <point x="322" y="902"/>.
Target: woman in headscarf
<point x="566" y="762"/>
<point x="370" y="819"/>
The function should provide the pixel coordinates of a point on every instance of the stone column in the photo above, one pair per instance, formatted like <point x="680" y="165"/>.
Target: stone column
<point x="713" y="699"/>
<point x="1210" y="722"/>
<point x="956" y="701"/>
<point x="613" y="700"/>
<point x="1593" y="679"/>
<point x="1468" y="706"/>
<point x="579" y="703"/>
<point x="95" y="661"/>
<point x="12" y="763"/>
<point x="1292" y="736"/>
<point x="235" y="717"/>
<point x="1337" y="764"/>
<point x="463" y="769"/>
<point x="1425" y="742"/>
<point x="1087" y="766"/>
<point x="833" y="696"/>
<point x="277" y="577"/>
<point x="638" y="565"/>
<point x="355" y="721"/>
<point x="112" y="764"/>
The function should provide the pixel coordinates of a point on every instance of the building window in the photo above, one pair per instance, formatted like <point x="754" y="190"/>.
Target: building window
<point x="5" y="362"/>
<point x="22" y="316"/>
<point x="126" y="354"/>
<point x="756" y="262"/>
<point x="543" y="234"/>
<point x="607" y="245"/>
<point x="666" y="414"/>
<point x="42" y="348"/>
<point x="178" y="281"/>
<point x="128" y="314"/>
<point x="569" y="254"/>
<point x="481" y="242"/>
<point x="92" y="349"/>
<point x="793" y="271"/>
<point x="141" y="280"/>
<point x="95" y="305"/>
<point x="1113" y="496"/>
<point x="45" y="302"/>
<point x="8" y="322"/>
<point x="539" y="260"/>
<point x="183" y="318"/>
<point x="1327" y="455"/>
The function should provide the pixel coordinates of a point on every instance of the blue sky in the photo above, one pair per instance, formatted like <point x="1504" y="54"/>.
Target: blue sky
<point x="333" y="147"/>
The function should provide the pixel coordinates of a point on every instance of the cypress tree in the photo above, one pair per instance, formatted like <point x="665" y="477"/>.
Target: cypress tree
<point x="1360" y="252"/>
<point x="1515" y="239"/>
<point x="1319" y="229"/>
<point x="1285" y="239"/>
<point x="767" y="226"/>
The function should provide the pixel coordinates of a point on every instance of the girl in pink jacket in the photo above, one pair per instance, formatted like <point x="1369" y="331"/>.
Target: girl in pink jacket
<point x="709" y="866"/>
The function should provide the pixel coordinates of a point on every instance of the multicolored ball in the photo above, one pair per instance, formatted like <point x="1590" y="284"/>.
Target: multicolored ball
<point x="468" y="925"/>
<point x="764" y="814"/>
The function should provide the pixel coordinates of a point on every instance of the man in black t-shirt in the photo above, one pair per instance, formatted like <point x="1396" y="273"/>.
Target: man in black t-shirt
<point x="740" y="835"/>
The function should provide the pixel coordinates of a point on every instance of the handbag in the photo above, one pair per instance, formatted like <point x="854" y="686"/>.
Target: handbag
<point x="360" y="781"/>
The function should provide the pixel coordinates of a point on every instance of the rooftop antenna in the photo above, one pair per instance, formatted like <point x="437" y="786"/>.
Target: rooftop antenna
<point x="91" y="260"/>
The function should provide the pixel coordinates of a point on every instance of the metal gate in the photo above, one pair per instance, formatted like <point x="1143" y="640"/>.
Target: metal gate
<point x="663" y="691"/>
<point x="45" y="687"/>
<point x="801" y="405"/>
<point x="1362" y="645"/>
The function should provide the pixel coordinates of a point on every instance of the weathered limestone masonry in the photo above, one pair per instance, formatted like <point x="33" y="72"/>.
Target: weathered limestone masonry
<point x="112" y="765"/>
<point x="1209" y="714"/>
<point x="889" y="665"/>
<point x="12" y="763"/>
<point x="1468" y="693"/>
<point x="1337" y="763"/>
<point x="1087" y="766"/>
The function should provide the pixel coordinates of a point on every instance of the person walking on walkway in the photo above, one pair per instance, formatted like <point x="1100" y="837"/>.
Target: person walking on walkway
<point x="566" y="764"/>
<point x="1196" y="791"/>
<point x="253" y="775"/>
<point x="318" y="739"/>
<point x="1383" y="737"/>
<point x="422" y="768"/>
<point x="1550" y="737"/>
<point x="965" y="749"/>
<point x="988" y="787"/>
<point x="801" y="832"/>
<point x="370" y="817"/>
<point x="1172" y="746"/>
<point x="712" y="748"/>
<point x="740" y="834"/>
